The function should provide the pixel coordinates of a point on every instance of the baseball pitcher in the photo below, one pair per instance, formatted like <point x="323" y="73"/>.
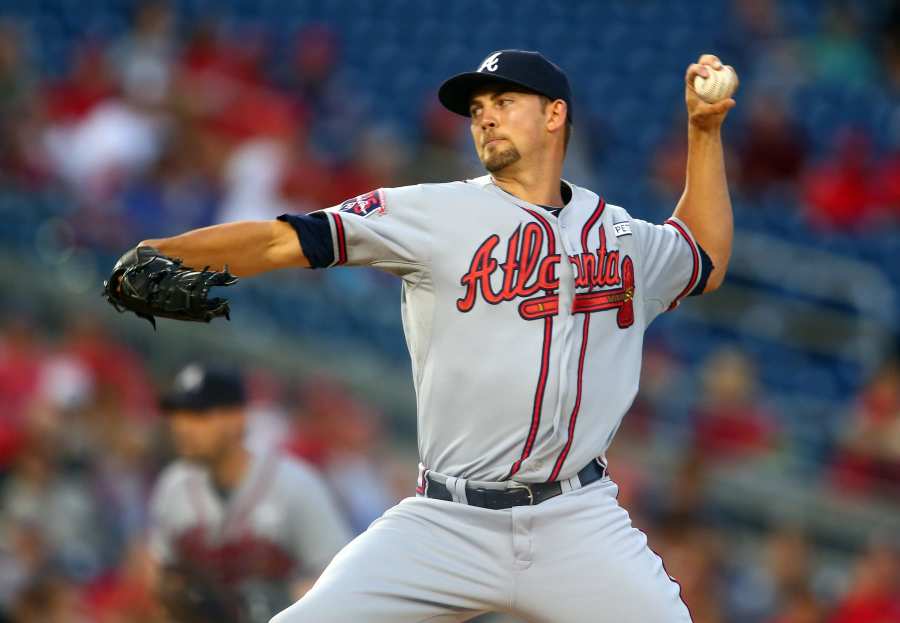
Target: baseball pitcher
<point x="524" y="302"/>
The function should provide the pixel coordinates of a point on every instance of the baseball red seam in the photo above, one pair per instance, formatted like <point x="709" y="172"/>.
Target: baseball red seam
<point x="696" y="258"/>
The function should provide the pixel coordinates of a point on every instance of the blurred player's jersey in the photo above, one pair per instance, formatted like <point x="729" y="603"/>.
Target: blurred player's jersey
<point x="278" y="526"/>
<point x="525" y="327"/>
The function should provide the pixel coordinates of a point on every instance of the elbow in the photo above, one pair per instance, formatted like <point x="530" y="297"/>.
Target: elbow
<point x="714" y="282"/>
<point x="716" y="276"/>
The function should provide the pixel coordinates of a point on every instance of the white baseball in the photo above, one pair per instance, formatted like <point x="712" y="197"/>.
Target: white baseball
<point x="718" y="86"/>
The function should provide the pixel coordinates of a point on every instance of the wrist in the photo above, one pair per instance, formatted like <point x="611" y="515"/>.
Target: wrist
<point x="699" y="130"/>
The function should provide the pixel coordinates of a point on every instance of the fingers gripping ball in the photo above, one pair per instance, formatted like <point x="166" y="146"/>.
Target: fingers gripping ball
<point x="719" y="85"/>
<point x="148" y="283"/>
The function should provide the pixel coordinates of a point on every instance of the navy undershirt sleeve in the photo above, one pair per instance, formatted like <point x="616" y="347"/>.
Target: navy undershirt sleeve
<point x="706" y="267"/>
<point x="314" y="234"/>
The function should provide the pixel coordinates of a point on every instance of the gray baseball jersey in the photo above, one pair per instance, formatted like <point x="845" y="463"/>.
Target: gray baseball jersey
<point x="525" y="327"/>
<point x="280" y="524"/>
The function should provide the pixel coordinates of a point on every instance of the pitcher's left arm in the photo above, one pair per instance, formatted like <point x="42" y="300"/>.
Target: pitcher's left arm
<point x="705" y="206"/>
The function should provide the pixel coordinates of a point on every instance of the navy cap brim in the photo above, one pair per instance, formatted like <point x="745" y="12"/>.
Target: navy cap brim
<point x="456" y="92"/>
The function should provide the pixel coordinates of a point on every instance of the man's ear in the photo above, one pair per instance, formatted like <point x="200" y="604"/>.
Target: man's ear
<point x="558" y="113"/>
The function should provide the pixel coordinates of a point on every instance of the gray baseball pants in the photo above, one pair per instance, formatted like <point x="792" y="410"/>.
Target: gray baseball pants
<point x="575" y="558"/>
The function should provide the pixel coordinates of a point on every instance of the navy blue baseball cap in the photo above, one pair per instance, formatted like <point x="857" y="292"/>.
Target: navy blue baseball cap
<point x="198" y="387"/>
<point x="516" y="68"/>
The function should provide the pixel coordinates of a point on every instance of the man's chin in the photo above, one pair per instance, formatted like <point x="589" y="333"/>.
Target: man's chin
<point x="497" y="162"/>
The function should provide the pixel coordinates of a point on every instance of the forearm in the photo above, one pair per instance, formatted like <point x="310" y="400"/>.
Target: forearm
<point x="247" y="247"/>
<point x="705" y="206"/>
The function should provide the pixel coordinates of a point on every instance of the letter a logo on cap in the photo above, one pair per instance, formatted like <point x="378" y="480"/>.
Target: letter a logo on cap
<point x="490" y="63"/>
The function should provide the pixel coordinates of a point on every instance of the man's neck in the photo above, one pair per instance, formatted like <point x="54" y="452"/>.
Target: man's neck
<point x="228" y="472"/>
<point x="534" y="186"/>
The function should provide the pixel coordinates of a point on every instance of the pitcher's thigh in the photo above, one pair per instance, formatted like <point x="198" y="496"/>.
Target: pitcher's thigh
<point x="635" y="589"/>
<point x="401" y="570"/>
<point x="596" y="568"/>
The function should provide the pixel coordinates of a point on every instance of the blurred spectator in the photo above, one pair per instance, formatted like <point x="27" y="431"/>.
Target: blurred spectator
<point x="110" y="364"/>
<point x="177" y="194"/>
<point x="890" y="45"/>
<point x="874" y="592"/>
<point x="771" y="150"/>
<point x="683" y="498"/>
<point x="840" y="192"/>
<point x="125" y="594"/>
<point x="341" y="436"/>
<point x="800" y="606"/>
<point x="658" y="408"/>
<point x="693" y="559"/>
<point x="20" y="160"/>
<point x="776" y="585"/>
<point x="838" y="53"/>
<point x="143" y="59"/>
<point x="97" y="140"/>
<point x="88" y="83"/>
<point x="669" y="163"/>
<point x="21" y="358"/>
<point x="380" y="159"/>
<point x="731" y="422"/>
<point x="24" y="557"/>
<point x="59" y="504"/>
<point x="869" y="454"/>
<point x="439" y="157"/>
<point x="313" y="80"/>
<point x="49" y="600"/>
<point x="887" y="182"/>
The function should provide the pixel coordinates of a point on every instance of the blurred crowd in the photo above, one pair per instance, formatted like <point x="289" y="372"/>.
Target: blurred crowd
<point x="82" y="442"/>
<point x="846" y="176"/>
<point x="156" y="133"/>
<point x="170" y="126"/>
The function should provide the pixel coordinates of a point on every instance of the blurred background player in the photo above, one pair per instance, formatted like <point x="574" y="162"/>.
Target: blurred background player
<point x="237" y="535"/>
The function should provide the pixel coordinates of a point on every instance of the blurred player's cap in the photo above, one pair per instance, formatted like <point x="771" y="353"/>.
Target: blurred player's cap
<point x="200" y="388"/>
<point x="517" y="68"/>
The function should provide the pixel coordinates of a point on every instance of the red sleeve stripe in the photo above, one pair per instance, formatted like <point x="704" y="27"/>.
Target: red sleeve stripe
<point x="341" y="239"/>
<point x="696" y="257"/>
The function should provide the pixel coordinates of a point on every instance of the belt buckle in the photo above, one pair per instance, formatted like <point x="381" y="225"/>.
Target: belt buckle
<point x="527" y="487"/>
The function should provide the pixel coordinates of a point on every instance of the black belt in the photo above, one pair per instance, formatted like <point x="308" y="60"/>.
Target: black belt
<point x="519" y="494"/>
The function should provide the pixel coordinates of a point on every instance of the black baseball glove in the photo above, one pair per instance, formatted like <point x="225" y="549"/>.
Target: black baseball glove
<point x="150" y="284"/>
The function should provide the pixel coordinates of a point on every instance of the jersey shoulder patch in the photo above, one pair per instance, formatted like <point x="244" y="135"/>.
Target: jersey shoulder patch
<point x="365" y="204"/>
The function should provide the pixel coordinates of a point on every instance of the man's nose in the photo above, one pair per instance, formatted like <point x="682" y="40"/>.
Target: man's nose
<point x="488" y="120"/>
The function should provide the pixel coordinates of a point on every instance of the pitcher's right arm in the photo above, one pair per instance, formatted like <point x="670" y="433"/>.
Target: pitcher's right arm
<point x="247" y="247"/>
